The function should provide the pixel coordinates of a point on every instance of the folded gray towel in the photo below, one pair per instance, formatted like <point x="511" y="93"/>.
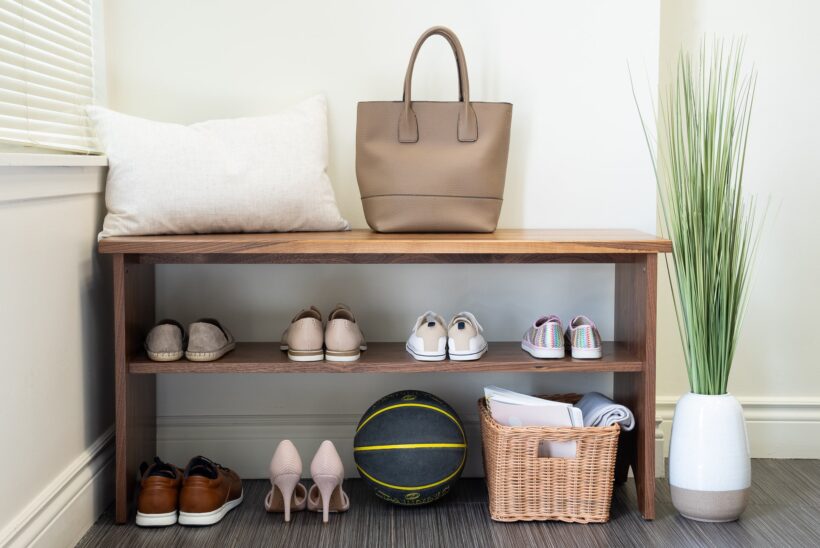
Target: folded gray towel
<point x="599" y="410"/>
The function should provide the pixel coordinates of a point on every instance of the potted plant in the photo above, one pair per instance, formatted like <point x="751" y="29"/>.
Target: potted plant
<point x="698" y="160"/>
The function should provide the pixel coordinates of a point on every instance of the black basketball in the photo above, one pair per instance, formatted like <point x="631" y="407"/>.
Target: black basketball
<point x="410" y="447"/>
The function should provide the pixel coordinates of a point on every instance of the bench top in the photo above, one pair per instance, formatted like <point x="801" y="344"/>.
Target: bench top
<point x="367" y="242"/>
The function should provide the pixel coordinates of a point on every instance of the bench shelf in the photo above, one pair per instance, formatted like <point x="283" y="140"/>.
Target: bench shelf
<point x="631" y="357"/>
<point x="390" y="357"/>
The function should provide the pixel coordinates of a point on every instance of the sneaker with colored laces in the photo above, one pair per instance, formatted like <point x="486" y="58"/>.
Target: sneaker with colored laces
<point x="584" y="339"/>
<point x="544" y="338"/>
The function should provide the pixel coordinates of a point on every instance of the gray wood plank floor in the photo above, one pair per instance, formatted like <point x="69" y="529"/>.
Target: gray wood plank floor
<point x="784" y="512"/>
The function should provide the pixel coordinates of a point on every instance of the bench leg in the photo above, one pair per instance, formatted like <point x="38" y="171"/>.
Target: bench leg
<point x="635" y="311"/>
<point x="135" y="403"/>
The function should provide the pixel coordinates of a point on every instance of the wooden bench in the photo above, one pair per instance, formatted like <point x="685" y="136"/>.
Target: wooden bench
<point x="630" y="357"/>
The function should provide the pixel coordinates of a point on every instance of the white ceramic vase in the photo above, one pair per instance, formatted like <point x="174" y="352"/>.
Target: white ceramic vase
<point x="709" y="465"/>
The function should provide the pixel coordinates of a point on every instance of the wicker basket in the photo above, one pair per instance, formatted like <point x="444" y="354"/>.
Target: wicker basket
<point x="525" y="487"/>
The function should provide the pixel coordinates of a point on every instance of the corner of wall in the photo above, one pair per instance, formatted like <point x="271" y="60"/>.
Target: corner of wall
<point x="61" y="513"/>
<point x="52" y="208"/>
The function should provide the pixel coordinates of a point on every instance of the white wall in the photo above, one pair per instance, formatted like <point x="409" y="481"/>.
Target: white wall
<point x="775" y="373"/>
<point x="576" y="160"/>
<point x="575" y="140"/>
<point x="56" y="394"/>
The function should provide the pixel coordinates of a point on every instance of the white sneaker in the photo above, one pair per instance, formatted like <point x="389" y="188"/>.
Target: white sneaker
<point x="465" y="340"/>
<point x="428" y="339"/>
<point x="544" y="338"/>
<point x="584" y="338"/>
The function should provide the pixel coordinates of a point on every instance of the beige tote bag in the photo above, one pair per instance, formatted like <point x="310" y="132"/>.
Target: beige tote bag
<point x="427" y="166"/>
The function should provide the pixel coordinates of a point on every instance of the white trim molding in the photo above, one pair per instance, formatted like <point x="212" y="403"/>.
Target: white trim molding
<point x="778" y="427"/>
<point x="62" y="512"/>
<point x="20" y="183"/>
<point x="660" y="455"/>
<point x="51" y="159"/>
<point x="247" y="442"/>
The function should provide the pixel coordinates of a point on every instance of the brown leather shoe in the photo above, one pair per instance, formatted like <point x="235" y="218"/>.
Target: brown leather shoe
<point x="159" y="494"/>
<point x="209" y="492"/>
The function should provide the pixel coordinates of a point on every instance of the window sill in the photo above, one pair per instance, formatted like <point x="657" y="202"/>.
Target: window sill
<point x="26" y="176"/>
<point x="30" y="159"/>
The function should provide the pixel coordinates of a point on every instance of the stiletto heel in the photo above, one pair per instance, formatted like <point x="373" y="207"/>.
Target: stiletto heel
<point x="285" y="472"/>
<point x="328" y="473"/>
<point x="326" y="485"/>
<point x="286" y="484"/>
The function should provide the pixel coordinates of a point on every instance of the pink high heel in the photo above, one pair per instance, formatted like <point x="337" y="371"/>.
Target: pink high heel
<point x="285" y="473"/>
<point x="328" y="474"/>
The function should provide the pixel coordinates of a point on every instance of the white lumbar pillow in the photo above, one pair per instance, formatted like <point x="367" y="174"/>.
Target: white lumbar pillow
<point x="265" y="174"/>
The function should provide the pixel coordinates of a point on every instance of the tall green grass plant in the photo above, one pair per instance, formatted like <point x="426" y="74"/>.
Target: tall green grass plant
<point x="698" y="158"/>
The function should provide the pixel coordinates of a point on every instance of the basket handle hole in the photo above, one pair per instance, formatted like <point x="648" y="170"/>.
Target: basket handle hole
<point x="550" y="449"/>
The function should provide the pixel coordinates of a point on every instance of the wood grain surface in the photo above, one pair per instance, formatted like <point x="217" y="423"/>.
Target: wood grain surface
<point x="366" y="242"/>
<point x="384" y="258"/>
<point x="635" y="305"/>
<point x="135" y="395"/>
<point x="391" y="358"/>
<point x="631" y="358"/>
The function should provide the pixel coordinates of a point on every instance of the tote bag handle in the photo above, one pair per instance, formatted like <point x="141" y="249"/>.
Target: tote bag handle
<point x="467" y="122"/>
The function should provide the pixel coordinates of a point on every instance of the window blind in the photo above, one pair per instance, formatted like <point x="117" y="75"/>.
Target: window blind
<point x="46" y="74"/>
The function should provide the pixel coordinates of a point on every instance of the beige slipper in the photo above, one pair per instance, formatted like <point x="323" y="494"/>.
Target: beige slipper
<point x="208" y="340"/>
<point x="166" y="341"/>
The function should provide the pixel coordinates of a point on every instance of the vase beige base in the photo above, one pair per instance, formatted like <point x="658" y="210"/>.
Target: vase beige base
<point x="711" y="506"/>
<point x="710" y="471"/>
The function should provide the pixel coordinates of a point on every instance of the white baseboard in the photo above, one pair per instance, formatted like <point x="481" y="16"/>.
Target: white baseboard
<point x="660" y="468"/>
<point x="64" y="511"/>
<point x="780" y="428"/>
<point x="246" y="442"/>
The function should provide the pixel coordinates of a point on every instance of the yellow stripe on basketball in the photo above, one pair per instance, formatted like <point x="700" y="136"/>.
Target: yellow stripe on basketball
<point x="411" y="446"/>
<point x="416" y="487"/>
<point x="424" y="405"/>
